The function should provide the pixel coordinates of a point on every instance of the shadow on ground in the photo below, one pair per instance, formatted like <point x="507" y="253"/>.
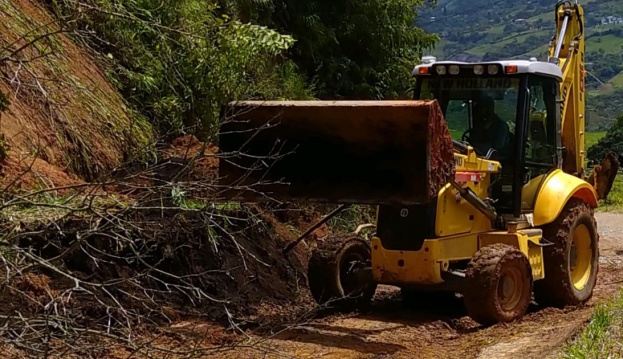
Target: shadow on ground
<point x="389" y="312"/>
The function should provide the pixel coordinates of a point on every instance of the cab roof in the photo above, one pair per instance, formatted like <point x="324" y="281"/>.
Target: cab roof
<point x="531" y="66"/>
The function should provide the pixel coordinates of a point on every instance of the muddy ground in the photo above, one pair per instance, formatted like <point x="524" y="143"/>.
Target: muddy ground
<point x="393" y="329"/>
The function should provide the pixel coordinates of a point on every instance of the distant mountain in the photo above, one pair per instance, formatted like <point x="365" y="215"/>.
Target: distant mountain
<point x="496" y="29"/>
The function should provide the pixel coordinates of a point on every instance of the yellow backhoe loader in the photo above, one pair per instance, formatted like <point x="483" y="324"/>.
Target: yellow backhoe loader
<point x="479" y="181"/>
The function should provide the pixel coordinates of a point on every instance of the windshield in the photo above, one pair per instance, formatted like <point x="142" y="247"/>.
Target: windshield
<point x="481" y="111"/>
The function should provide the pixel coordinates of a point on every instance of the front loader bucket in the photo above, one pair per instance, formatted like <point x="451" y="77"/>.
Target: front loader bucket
<point x="348" y="152"/>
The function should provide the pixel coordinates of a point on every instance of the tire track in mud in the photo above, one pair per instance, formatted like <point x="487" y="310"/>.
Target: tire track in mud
<point x="393" y="329"/>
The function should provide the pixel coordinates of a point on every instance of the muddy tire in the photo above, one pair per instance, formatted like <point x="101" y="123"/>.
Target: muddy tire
<point x="572" y="262"/>
<point x="331" y="280"/>
<point x="499" y="285"/>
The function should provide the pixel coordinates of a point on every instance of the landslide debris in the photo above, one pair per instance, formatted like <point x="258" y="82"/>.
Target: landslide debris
<point x="61" y="107"/>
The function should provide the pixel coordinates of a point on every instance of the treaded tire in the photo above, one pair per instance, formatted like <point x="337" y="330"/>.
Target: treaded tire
<point x="557" y="288"/>
<point x="485" y="293"/>
<point x="328" y="282"/>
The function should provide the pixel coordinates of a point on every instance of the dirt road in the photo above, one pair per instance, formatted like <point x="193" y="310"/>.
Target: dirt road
<point x="392" y="330"/>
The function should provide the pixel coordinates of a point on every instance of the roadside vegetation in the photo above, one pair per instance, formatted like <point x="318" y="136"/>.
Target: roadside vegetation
<point x="614" y="203"/>
<point x="598" y="144"/>
<point x="603" y="336"/>
<point x="593" y="137"/>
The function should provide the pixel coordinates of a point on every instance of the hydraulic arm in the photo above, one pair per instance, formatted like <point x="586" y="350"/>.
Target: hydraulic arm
<point x="567" y="50"/>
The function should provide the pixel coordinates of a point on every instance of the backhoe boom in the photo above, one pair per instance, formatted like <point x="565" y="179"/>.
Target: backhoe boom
<point x="567" y="50"/>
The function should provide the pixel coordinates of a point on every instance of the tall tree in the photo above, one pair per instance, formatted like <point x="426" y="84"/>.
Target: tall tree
<point x="347" y="49"/>
<point x="611" y="142"/>
<point x="178" y="61"/>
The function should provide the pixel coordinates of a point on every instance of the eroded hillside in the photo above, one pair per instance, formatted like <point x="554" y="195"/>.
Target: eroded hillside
<point x="62" y="109"/>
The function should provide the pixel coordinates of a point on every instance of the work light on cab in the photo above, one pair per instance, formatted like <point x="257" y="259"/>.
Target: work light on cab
<point x="493" y="70"/>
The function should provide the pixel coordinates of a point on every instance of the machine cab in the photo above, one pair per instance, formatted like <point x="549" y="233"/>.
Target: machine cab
<point x="507" y="111"/>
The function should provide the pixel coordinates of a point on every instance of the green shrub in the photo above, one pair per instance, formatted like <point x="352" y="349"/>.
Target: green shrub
<point x="178" y="61"/>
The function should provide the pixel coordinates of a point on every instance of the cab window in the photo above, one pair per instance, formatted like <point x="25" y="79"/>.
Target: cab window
<point x="541" y="136"/>
<point x="540" y="149"/>
<point x="479" y="110"/>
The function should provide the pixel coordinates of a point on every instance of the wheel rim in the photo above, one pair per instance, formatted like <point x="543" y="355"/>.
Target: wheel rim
<point x="581" y="257"/>
<point x="510" y="289"/>
<point x="348" y="280"/>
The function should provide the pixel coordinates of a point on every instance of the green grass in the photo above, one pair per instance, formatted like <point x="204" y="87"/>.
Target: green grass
<point x="610" y="44"/>
<point x="603" y="336"/>
<point x="540" y="52"/>
<point x="593" y="137"/>
<point x="519" y="37"/>
<point x="456" y="134"/>
<point x="614" y="203"/>
<point x="617" y="81"/>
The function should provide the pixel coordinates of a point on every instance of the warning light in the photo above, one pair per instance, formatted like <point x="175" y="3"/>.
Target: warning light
<point x="511" y="69"/>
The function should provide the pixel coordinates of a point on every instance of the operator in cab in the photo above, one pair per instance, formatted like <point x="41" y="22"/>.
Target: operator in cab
<point x="490" y="131"/>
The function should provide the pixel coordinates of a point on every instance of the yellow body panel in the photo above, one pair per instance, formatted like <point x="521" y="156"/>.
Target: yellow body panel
<point x="555" y="192"/>
<point x="424" y="267"/>
<point x="420" y="267"/>
<point x="471" y="162"/>
<point x="529" y="192"/>
<point x="454" y="214"/>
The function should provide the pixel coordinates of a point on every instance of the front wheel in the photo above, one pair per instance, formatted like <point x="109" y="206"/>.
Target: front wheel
<point x="572" y="262"/>
<point x="499" y="285"/>
<point x="336" y="272"/>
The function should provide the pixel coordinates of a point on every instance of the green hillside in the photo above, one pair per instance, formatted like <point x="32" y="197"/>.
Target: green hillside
<point x="494" y="29"/>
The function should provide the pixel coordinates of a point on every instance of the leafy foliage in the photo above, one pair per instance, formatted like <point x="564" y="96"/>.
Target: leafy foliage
<point x="611" y="142"/>
<point x="179" y="61"/>
<point x="604" y="109"/>
<point x="357" y="50"/>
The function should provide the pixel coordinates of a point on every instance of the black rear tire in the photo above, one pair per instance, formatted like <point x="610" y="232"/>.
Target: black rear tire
<point x="572" y="262"/>
<point x="332" y="281"/>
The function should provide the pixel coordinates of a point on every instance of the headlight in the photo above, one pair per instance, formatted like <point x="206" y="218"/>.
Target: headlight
<point x="479" y="70"/>
<point x="454" y="69"/>
<point x="441" y="70"/>
<point x="493" y="69"/>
